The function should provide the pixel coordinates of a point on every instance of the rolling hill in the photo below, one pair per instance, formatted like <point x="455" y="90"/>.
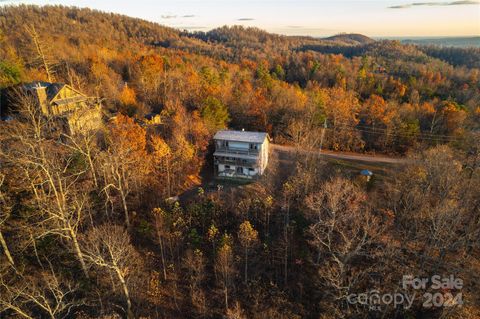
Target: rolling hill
<point x="351" y="38"/>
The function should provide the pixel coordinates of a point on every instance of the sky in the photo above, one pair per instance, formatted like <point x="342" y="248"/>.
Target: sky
<point x="377" y="18"/>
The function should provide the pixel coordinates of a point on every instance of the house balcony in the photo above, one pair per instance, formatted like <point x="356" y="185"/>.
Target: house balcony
<point x="232" y="174"/>
<point x="240" y="151"/>
<point x="237" y="162"/>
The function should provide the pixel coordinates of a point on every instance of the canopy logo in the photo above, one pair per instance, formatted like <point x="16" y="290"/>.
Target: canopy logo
<point x="442" y="292"/>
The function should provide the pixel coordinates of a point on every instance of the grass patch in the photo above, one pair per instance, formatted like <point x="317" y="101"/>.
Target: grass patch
<point x="381" y="171"/>
<point x="233" y="181"/>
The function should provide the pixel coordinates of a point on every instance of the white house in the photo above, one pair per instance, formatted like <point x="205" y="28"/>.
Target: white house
<point x="240" y="154"/>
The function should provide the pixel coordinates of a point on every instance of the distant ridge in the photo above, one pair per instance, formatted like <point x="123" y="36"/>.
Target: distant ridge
<point x="351" y="38"/>
<point x="461" y="42"/>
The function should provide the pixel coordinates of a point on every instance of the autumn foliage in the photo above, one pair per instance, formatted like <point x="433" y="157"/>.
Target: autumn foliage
<point x="112" y="223"/>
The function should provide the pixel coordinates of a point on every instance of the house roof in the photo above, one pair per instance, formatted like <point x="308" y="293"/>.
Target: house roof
<point x="241" y="136"/>
<point x="52" y="89"/>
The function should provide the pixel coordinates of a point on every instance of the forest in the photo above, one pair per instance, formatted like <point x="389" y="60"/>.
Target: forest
<point x="86" y="227"/>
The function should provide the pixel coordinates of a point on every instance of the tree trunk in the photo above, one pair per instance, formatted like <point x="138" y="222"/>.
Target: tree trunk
<point x="78" y="252"/>
<point x="94" y="175"/>
<point x="125" y="292"/>
<point x="432" y="125"/>
<point x="162" y="254"/>
<point x="169" y="187"/>
<point x="41" y="53"/>
<point x="246" y="265"/>
<point x="19" y="311"/>
<point x="225" y="292"/>
<point x="6" y="250"/>
<point x="125" y="207"/>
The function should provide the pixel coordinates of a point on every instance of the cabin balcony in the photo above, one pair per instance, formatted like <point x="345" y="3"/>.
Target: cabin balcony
<point x="236" y="162"/>
<point x="232" y="174"/>
<point x="240" y="151"/>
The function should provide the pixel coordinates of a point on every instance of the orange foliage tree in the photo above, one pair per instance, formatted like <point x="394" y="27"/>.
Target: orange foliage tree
<point x="125" y="162"/>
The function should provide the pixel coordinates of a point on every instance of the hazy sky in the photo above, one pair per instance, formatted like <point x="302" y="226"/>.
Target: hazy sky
<point x="302" y="17"/>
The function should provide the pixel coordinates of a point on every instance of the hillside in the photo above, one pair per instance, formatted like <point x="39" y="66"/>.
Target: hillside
<point x="73" y="36"/>
<point x="89" y="222"/>
<point x="97" y="28"/>
<point x="460" y="42"/>
<point x="351" y="38"/>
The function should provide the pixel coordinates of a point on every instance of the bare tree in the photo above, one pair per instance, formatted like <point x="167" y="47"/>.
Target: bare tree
<point x="41" y="50"/>
<point x="236" y="312"/>
<point x="343" y="229"/>
<point x="194" y="263"/>
<point x="162" y="233"/>
<point x="44" y="292"/>
<point x="225" y="267"/>
<point x="124" y="163"/>
<point x="108" y="247"/>
<point x="5" y="210"/>
<point x="170" y="228"/>
<point x="86" y="145"/>
<point x="48" y="170"/>
<point x="120" y="178"/>
<point x="433" y="195"/>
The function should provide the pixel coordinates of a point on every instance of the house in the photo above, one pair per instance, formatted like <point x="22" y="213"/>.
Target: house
<point x="152" y="119"/>
<point x="240" y="154"/>
<point x="70" y="109"/>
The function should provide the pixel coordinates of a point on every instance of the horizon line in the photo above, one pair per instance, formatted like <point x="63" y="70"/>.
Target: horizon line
<point x="271" y="30"/>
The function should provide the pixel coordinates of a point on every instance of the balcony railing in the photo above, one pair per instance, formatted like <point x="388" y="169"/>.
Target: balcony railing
<point x="231" y="150"/>
<point x="230" y="174"/>
<point x="236" y="162"/>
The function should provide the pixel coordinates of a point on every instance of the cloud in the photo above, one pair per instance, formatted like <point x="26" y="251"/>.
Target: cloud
<point x="455" y="3"/>
<point x="403" y="6"/>
<point x="174" y="16"/>
<point x="245" y="19"/>
<point x="190" y="28"/>
<point x="434" y="4"/>
<point x="430" y="4"/>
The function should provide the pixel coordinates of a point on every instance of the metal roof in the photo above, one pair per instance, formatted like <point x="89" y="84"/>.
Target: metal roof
<point x="241" y="136"/>
<point x="51" y="88"/>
